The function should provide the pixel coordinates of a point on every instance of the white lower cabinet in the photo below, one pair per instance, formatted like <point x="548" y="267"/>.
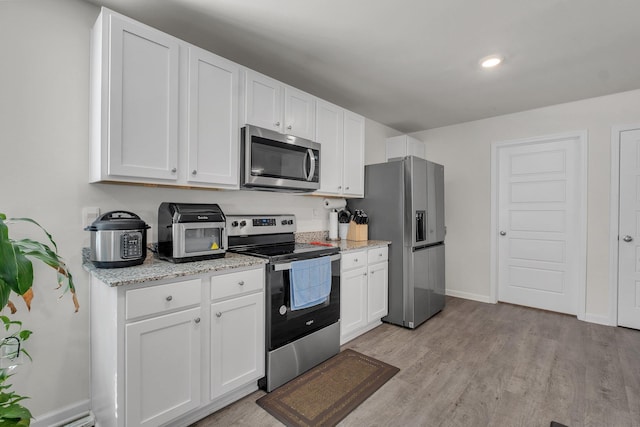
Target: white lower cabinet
<point x="162" y="367"/>
<point x="237" y="343"/>
<point x="364" y="283"/>
<point x="158" y="347"/>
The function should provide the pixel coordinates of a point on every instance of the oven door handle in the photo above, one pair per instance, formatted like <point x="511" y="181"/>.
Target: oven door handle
<point x="287" y="265"/>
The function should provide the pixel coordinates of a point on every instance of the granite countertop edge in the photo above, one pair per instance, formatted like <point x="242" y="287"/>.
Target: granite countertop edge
<point x="154" y="269"/>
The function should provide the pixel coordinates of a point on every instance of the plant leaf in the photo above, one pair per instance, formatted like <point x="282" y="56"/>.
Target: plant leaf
<point x="5" y="292"/>
<point x="15" y="411"/>
<point x="39" y="226"/>
<point x="25" y="273"/>
<point x="27" y="297"/>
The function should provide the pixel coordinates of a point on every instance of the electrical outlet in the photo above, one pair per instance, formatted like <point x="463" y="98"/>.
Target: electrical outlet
<point x="89" y="214"/>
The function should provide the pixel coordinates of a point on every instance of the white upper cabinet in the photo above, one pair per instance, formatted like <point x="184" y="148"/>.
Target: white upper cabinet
<point x="404" y="145"/>
<point x="299" y="113"/>
<point x="212" y="139"/>
<point x="341" y="136"/>
<point x="353" y="155"/>
<point x="163" y="111"/>
<point x="330" y="135"/>
<point x="136" y="81"/>
<point x="263" y="101"/>
<point x="273" y="105"/>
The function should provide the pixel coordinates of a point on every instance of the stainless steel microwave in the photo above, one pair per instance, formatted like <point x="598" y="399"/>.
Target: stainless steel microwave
<point x="277" y="162"/>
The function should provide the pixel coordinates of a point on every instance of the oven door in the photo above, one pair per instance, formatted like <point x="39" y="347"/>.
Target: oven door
<point x="192" y="239"/>
<point x="276" y="161"/>
<point x="283" y="324"/>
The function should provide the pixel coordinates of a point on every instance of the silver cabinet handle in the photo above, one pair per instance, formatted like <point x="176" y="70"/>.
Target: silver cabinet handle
<point x="218" y="314"/>
<point x="169" y="298"/>
<point x="627" y="238"/>
<point x="289" y="127"/>
<point x="379" y="254"/>
<point x="364" y="274"/>
<point x="277" y="124"/>
<point x="503" y="233"/>
<point x="372" y="272"/>
<point x="339" y="187"/>
<point x="355" y="260"/>
<point x="347" y="188"/>
<point x="174" y="170"/>
<point x="194" y="172"/>
<point x="241" y="283"/>
<point x="197" y="320"/>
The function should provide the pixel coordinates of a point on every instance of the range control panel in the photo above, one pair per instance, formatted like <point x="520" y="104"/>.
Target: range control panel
<point x="247" y="225"/>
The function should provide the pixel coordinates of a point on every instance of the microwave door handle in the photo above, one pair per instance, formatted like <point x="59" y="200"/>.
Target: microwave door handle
<point x="304" y="165"/>
<point x="313" y="164"/>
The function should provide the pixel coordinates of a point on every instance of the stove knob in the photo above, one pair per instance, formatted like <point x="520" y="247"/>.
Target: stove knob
<point x="290" y="222"/>
<point x="284" y="222"/>
<point x="243" y="223"/>
<point x="234" y="224"/>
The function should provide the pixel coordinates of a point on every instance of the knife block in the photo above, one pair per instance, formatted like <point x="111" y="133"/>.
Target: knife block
<point x="358" y="232"/>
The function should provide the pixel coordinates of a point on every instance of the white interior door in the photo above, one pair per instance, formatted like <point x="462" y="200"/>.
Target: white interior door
<point x="538" y="244"/>
<point x="629" y="231"/>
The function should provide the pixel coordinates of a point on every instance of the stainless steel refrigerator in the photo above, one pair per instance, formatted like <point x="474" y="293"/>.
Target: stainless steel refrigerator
<point x="404" y="200"/>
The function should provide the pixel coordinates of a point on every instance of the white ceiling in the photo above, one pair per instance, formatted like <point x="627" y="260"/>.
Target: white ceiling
<point x="413" y="64"/>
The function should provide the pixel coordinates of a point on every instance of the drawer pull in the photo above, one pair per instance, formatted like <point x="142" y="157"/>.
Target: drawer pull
<point x="169" y="298"/>
<point x="355" y="260"/>
<point x="380" y="254"/>
<point x="197" y="320"/>
<point x="218" y="314"/>
<point x="241" y="283"/>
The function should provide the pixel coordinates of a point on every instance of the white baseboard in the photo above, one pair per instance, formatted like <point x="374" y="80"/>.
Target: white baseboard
<point x="469" y="295"/>
<point x="63" y="415"/>
<point x="599" y="319"/>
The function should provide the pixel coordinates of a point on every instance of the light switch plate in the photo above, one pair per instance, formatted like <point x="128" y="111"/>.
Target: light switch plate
<point x="89" y="214"/>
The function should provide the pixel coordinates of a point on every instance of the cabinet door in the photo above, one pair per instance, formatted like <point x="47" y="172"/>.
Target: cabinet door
<point x="263" y="101"/>
<point x="162" y="367"/>
<point x="353" y="301"/>
<point x="299" y="113"/>
<point x="377" y="292"/>
<point x="329" y="133"/>
<point x="143" y="101"/>
<point x="213" y="119"/>
<point x="353" y="181"/>
<point x="237" y="343"/>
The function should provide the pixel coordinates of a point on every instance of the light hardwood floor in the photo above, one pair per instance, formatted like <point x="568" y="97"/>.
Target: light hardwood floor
<point x="477" y="364"/>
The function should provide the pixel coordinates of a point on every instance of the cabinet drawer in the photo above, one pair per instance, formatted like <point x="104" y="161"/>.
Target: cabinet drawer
<point x="354" y="259"/>
<point x="378" y="254"/>
<point x="157" y="299"/>
<point x="231" y="284"/>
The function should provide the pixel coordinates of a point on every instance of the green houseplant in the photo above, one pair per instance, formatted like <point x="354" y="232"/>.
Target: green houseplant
<point x="16" y="277"/>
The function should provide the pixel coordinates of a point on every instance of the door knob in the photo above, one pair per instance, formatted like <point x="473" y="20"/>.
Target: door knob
<point x="627" y="238"/>
<point x="503" y="233"/>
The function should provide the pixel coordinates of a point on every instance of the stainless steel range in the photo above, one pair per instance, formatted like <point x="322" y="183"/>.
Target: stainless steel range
<point x="297" y="339"/>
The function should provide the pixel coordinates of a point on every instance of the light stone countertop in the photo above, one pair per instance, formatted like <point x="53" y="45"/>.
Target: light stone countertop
<point x="156" y="269"/>
<point x="344" y="245"/>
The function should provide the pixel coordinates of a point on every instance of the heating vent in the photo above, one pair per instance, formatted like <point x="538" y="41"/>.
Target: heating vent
<point x="87" y="421"/>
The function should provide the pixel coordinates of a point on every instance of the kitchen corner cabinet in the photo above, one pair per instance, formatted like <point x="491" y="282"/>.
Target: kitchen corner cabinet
<point x="364" y="283"/>
<point x="341" y="135"/>
<point x="162" y="111"/>
<point x="404" y="145"/>
<point x="273" y="105"/>
<point x="172" y="352"/>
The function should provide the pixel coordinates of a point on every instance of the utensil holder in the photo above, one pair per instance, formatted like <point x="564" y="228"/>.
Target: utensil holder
<point x="358" y="232"/>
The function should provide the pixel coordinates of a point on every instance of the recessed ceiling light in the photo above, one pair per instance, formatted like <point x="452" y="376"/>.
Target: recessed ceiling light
<point x="491" y="61"/>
